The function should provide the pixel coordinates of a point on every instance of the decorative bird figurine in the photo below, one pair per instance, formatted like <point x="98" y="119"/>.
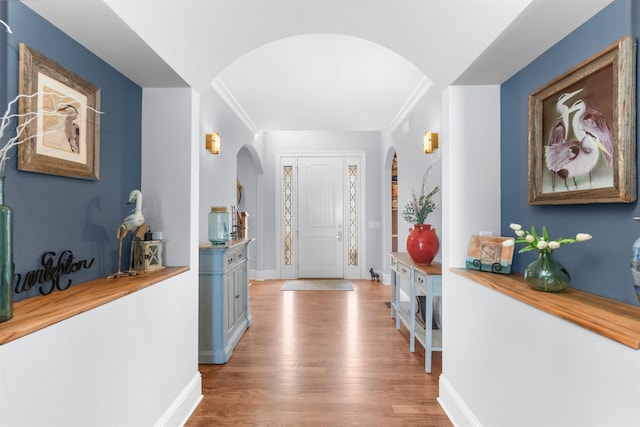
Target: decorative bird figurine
<point x="135" y="219"/>
<point x="132" y="222"/>
<point x="71" y="129"/>
<point x="575" y="158"/>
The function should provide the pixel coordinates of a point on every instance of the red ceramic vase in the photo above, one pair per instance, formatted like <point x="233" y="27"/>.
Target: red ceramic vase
<point x="422" y="243"/>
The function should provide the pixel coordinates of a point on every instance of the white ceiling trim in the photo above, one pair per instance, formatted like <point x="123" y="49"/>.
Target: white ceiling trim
<point x="227" y="96"/>
<point x="415" y="96"/>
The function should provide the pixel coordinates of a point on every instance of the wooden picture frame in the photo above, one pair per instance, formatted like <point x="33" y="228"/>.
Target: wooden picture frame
<point x="486" y="253"/>
<point x="64" y="138"/>
<point x="582" y="136"/>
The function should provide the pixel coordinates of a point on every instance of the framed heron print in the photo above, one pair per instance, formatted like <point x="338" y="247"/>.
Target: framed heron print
<point x="582" y="136"/>
<point x="59" y="114"/>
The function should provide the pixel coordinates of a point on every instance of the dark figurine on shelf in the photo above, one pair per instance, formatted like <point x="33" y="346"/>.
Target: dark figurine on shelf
<point x="374" y="276"/>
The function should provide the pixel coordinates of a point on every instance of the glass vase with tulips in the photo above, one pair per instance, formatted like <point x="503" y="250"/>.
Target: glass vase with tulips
<point x="544" y="274"/>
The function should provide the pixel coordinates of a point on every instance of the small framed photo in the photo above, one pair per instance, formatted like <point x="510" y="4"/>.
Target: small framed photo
<point x="582" y="132"/>
<point x="59" y="113"/>
<point x="486" y="253"/>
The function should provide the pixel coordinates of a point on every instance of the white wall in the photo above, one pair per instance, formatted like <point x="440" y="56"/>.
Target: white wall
<point x="218" y="173"/>
<point x="132" y="362"/>
<point x="506" y="363"/>
<point x="406" y="140"/>
<point x="170" y="169"/>
<point x="470" y="145"/>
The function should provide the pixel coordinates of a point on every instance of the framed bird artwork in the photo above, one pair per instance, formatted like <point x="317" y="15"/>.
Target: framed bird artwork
<point x="59" y="115"/>
<point x="582" y="135"/>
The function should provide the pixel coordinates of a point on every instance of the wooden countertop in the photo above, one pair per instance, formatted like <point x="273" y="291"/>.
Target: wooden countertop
<point x="612" y="319"/>
<point x="435" y="268"/>
<point x="36" y="313"/>
<point x="229" y="244"/>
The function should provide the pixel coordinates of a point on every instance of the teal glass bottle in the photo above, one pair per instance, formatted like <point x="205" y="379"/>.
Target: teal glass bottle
<point x="6" y="258"/>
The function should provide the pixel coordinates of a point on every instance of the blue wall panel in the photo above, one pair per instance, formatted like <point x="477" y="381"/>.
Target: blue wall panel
<point x="55" y="213"/>
<point x="601" y="265"/>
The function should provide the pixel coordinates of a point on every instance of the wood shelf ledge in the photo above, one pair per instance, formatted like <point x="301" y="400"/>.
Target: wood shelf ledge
<point x="612" y="319"/>
<point x="36" y="313"/>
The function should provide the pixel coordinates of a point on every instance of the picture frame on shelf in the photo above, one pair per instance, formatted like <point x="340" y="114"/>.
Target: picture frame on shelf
<point x="486" y="253"/>
<point x="64" y="138"/>
<point x="582" y="132"/>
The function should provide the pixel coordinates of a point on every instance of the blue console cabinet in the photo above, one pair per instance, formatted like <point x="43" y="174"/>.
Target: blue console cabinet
<point x="224" y="312"/>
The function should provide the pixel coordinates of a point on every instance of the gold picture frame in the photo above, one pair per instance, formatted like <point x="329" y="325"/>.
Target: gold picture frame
<point x="582" y="136"/>
<point x="64" y="138"/>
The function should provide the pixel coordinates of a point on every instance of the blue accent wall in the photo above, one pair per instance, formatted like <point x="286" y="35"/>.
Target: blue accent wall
<point x="601" y="265"/>
<point x="53" y="213"/>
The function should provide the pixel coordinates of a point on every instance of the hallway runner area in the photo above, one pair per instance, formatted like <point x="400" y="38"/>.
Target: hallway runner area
<point x="317" y="285"/>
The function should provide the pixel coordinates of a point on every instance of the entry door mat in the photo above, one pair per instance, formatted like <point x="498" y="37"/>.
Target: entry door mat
<point x="317" y="285"/>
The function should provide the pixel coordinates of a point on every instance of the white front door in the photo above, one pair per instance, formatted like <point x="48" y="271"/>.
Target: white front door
<point x="320" y="213"/>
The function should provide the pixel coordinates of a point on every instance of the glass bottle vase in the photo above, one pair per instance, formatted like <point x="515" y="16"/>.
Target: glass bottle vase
<point x="545" y="274"/>
<point x="218" y="222"/>
<point x="6" y="258"/>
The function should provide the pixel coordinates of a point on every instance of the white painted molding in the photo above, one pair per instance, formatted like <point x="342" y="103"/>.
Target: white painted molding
<point x="184" y="405"/>
<point x="221" y="88"/>
<point x="386" y="278"/>
<point x="453" y="405"/>
<point x="260" y="275"/>
<point x="420" y="89"/>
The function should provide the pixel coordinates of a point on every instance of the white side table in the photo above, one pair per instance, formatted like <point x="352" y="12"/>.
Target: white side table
<point x="416" y="280"/>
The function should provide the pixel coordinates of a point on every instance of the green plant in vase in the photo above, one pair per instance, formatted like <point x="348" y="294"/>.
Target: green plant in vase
<point x="422" y="241"/>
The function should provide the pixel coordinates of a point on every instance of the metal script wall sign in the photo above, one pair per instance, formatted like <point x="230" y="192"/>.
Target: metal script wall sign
<point x="54" y="267"/>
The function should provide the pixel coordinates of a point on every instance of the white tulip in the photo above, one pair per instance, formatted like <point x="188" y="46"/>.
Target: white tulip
<point x="554" y="245"/>
<point x="529" y="238"/>
<point x="542" y="244"/>
<point x="581" y="237"/>
<point x="520" y="233"/>
<point x="515" y="227"/>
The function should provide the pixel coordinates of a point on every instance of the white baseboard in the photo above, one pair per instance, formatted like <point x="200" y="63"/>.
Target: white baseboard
<point x="453" y="405"/>
<point x="386" y="278"/>
<point x="259" y="275"/>
<point x="183" y="406"/>
<point x="263" y="275"/>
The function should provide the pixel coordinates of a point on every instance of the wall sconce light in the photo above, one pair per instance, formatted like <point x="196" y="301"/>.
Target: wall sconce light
<point x="429" y="142"/>
<point x="213" y="143"/>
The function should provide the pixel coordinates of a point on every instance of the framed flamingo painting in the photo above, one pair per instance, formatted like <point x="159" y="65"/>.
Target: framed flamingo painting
<point x="58" y="112"/>
<point x="582" y="135"/>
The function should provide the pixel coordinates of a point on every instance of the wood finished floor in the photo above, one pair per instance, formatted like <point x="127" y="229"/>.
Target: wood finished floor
<point x="321" y="358"/>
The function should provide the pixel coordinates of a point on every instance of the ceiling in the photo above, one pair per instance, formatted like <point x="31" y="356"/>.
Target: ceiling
<point x="317" y="64"/>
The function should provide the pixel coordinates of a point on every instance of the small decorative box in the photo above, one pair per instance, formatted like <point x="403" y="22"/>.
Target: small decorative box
<point x="147" y="255"/>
